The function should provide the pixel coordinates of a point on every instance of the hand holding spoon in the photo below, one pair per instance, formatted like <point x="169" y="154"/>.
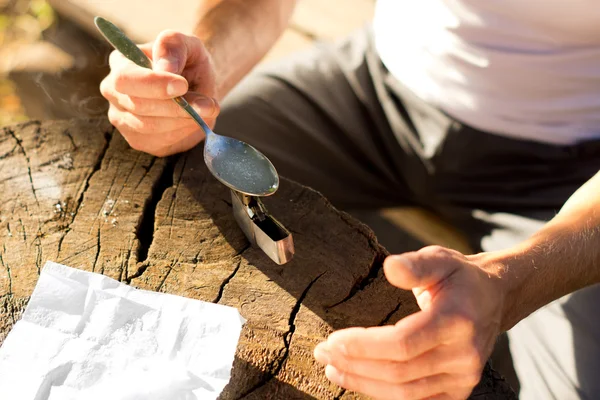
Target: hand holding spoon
<point x="234" y="163"/>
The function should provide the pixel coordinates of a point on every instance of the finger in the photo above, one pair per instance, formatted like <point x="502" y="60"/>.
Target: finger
<point x="423" y="268"/>
<point x="174" y="51"/>
<point x="165" y="144"/>
<point x="419" y="389"/>
<point x="117" y="60"/>
<point x="440" y="360"/>
<point x="147" y="125"/>
<point x="142" y="82"/>
<point x="409" y="338"/>
<point x="208" y="108"/>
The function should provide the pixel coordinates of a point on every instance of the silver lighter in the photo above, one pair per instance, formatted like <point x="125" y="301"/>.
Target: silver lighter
<point x="261" y="229"/>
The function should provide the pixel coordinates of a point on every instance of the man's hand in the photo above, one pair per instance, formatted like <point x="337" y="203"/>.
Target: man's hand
<point x="141" y="105"/>
<point x="437" y="353"/>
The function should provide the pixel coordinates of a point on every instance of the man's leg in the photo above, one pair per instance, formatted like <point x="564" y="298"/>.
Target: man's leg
<point x="556" y="351"/>
<point x="518" y="187"/>
<point x="317" y="116"/>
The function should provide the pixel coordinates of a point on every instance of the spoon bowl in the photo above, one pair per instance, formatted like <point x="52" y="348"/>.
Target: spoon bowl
<point x="234" y="163"/>
<point x="240" y="166"/>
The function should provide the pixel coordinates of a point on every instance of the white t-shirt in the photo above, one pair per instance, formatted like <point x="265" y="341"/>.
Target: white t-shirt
<point x="522" y="68"/>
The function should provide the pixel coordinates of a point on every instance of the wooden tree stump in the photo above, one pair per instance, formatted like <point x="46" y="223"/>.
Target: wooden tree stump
<point x="74" y="192"/>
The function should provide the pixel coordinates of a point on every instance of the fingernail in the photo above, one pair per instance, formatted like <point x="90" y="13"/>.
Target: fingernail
<point x="321" y="354"/>
<point x="176" y="88"/>
<point x="167" y="64"/>
<point x="207" y="106"/>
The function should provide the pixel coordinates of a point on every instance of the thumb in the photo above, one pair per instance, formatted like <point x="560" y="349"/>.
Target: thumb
<point x="207" y="107"/>
<point x="413" y="270"/>
<point x="170" y="52"/>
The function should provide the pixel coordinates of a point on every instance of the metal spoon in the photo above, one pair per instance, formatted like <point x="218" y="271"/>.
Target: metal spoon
<point x="236" y="164"/>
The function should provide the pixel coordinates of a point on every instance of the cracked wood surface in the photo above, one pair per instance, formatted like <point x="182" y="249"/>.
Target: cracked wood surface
<point x="74" y="192"/>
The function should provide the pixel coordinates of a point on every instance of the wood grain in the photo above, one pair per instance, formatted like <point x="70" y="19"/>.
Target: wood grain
<point x="74" y="192"/>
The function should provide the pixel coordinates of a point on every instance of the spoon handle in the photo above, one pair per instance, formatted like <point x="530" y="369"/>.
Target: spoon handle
<point x="121" y="42"/>
<point x="188" y="109"/>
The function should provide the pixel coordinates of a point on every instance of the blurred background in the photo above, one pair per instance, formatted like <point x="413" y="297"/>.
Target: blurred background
<point x="52" y="59"/>
<point x="21" y="23"/>
<point x="50" y="67"/>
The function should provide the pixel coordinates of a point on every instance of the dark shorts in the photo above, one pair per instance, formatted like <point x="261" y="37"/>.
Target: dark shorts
<point x="335" y="119"/>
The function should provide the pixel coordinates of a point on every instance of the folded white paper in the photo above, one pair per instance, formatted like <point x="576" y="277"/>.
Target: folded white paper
<point x="86" y="336"/>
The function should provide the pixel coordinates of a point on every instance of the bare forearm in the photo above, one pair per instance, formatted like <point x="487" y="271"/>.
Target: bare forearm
<point x="562" y="257"/>
<point x="238" y="33"/>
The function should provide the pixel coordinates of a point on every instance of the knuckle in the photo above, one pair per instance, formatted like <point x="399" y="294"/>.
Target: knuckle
<point x="155" y="86"/>
<point x="120" y="82"/>
<point x="145" y="125"/>
<point x="468" y="326"/>
<point x="114" y="57"/>
<point x="463" y="324"/>
<point x="470" y="380"/>
<point x="136" y="106"/>
<point x="437" y="252"/>
<point x="171" y="36"/>
<point x="473" y="360"/>
<point x="402" y="349"/>
<point x="105" y="87"/>
<point x="115" y="117"/>
<point x="397" y="371"/>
